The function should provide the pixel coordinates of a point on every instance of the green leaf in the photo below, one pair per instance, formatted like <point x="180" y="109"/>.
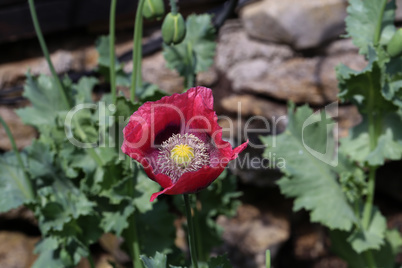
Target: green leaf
<point x="364" y="89"/>
<point x="158" y="261"/>
<point x="219" y="262"/>
<point x="13" y="189"/>
<point x="372" y="238"/>
<point x="84" y="89"/>
<point x="157" y="229"/>
<point x="196" y="52"/>
<point x="46" y="101"/>
<point x="384" y="257"/>
<point x="46" y="249"/>
<point x="60" y="203"/>
<point x="306" y="149"/>
<point x="150" y="92"/>
<point x="125" y="108"/>
<point x="144" y="188"/>
<point x="362" y="21"/>
<point x="361" y="87"/>
<point x="116" y="219"/>
<point x="40" y="160"/>
<point x="389" y="145"/>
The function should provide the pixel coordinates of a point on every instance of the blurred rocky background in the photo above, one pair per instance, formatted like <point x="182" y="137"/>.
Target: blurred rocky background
<point x="269" y="52"/>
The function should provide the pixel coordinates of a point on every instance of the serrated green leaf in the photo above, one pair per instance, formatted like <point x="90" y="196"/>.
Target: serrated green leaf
<point x="362" y="19"/>
<point x="372" y="238"/>
<point x="60" y="203"/>
<point x="157" y="229"/>
<point x="308" y="179"/>
<point x="13" y="189"/>
<point x="364" y="89"/>
<point x="84" y="89"/>
<point x="47" y="256"/>
<point x="158" y="261"/>
<point x="40" y="160"/>
<point x="389" y="145"/>
<point x="125" y="108"/>
<point x="196" y="52"/>
<point x="361" y="87"/>
<point x="144" y="188"/>
<point x="46" y="101"/>
<point x="384" y="257"/>
<point x="116" y="219"/>
<point x="150" y="92"/>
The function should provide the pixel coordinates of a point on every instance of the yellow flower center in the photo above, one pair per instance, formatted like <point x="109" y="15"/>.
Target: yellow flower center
<point x="182" y="154"/>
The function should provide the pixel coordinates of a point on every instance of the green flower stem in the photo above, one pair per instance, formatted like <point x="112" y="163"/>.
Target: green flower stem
<point x="378" y="28"/>
<point x="191" y="235"/>
<point x="136" y="79"/>
<point x="369" y="259"/>
<point x="29" y="194"/>
<point x="202" y="256"/>
<point x="374" y="130"/>
<point x="112" y="72"/>
<point x="45" y="52"/>
<point x="268" y="259"/>
<point x="190" y="77"/>
<point x="91" y="261"/>
<point x="173" y="7"/>
<point x="132" y="234"/>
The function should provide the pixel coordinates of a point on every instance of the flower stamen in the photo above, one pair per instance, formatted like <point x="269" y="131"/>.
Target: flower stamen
<point x="180" y="154"/>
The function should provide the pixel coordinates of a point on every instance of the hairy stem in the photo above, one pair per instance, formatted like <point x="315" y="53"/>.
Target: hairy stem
<point x="45" y="52"/>
<point x="136" y="79"/>
<point x="28" y="189"/>
<point x="112" y="73"/>
<point x="191" y="235"/>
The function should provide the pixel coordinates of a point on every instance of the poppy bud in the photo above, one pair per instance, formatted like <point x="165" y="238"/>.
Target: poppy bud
<point x="173" y="29"/>
<point x="394" y="47"/>
<point x="153" y="9"/>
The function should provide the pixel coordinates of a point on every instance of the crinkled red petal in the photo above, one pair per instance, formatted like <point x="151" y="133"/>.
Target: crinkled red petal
<point x="190" y="112"/>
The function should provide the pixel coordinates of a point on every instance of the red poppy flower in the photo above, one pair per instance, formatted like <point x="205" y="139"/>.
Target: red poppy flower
<point x="178" y="142"/>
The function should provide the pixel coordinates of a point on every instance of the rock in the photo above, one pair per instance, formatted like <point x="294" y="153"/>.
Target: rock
<point x="330" y="262"/>
<point x="21" y="213"/>
<point x="348" y="117"/>
<point x="23" y="134"/>
<point x="251" y="233"/>
<point x="301" y="80"/>
<point x="249" y="105"/>
<point x="112" y="244"/>
<point x="235" y="46"/>
<point x="274" y="71"/>
<point x="16" y="250"/>
<point x="398" y="13"/>
<point x="300" y="24"/>
<point x="154" y="71"/>
<point x="310" y="243"/>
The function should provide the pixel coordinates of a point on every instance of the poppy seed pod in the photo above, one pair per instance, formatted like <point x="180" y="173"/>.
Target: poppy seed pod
<point x="394" y="47"/>
<point x="153" y="9"/>
<point x="173" y="29"/>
